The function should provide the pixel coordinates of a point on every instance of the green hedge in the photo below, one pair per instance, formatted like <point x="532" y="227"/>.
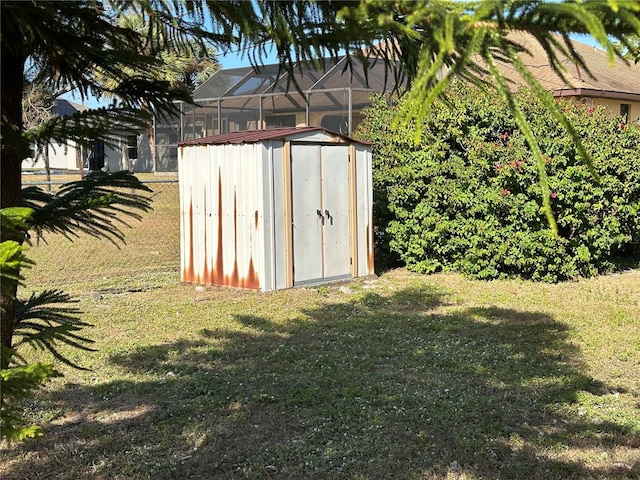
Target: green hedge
<point x="467" y="197"/>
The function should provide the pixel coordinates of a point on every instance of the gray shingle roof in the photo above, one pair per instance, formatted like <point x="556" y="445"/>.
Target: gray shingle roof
<point x="65" y="107"/>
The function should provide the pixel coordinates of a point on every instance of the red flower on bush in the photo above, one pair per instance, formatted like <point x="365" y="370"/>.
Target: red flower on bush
<point x="554" y="194"/>
<point x="506" y="192"/>
<point x="505" y="135"/>
<point x="591" y="110"/>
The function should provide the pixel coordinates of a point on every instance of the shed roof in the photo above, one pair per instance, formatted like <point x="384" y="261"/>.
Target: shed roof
<point x="255" y="136"/>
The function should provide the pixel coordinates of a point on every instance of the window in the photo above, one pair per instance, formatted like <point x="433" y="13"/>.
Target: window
<point x="280" y="121"/>
<point x="624" y="111"/>
<point x="132" y="146"/>
<point x="336" y="123"/>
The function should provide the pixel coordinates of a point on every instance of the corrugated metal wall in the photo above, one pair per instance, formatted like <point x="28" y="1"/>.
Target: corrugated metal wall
<point x="269" y="158"/>
<point x="222" y="215"/>
<point x="364" y="210"/>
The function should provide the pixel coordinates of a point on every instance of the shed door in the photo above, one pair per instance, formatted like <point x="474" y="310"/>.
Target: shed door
<point x="320" y="212"/>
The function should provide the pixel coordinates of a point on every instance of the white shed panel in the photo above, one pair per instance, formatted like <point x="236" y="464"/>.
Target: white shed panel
<point x="273" y="209"/>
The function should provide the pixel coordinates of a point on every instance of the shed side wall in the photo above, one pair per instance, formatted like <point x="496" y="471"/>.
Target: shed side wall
<point x="222" y="215"/>
<point x="272" y="216"/>
<point x="235" y="223"/>
<point x="364" y="206"/>
<point x="279" y="206"/>
<point x="187" y="174"/>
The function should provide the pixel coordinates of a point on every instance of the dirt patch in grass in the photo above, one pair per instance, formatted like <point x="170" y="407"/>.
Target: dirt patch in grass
<point x="406" y="376"/>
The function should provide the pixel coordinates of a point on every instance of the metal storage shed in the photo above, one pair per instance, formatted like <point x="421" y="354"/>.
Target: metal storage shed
<point x="277" y="208"/>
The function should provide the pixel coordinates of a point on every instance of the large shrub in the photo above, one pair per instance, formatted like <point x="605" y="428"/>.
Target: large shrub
<point x="467" y="196"/>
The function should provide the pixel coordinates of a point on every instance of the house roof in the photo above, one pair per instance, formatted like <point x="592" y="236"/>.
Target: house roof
<point x="616" y="80"/>
<point x="65" y="107"/>
<point x="255" y="136"/>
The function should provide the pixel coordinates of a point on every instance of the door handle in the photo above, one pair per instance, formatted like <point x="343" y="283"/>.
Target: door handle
<point x="329" y="217"/>
<point x="319" y="212"/>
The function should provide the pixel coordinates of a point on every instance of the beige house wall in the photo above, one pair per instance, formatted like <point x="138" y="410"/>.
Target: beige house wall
<point x="613" y="106"/>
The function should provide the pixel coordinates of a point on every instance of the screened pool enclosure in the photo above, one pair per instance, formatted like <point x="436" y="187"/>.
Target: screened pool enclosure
<point x="246" y="99"/>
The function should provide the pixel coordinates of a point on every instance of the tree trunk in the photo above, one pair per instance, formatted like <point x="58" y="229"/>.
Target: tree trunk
<point x="14" y="150"/>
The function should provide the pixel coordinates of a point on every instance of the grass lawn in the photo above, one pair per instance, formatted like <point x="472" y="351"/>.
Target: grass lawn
<point x="152" y="244"/>
<point x="404" y="376"/>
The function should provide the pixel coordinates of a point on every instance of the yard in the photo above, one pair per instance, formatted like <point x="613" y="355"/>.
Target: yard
<point x="403" y="376"/>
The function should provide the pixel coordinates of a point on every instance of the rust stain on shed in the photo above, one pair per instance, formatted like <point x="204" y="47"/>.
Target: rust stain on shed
<point x="252" y="281"/>
<point x="217" y="274"/>
<point x="188" y="274"/>
<point x="369" y="250"/>
<point x="214" y="273"/>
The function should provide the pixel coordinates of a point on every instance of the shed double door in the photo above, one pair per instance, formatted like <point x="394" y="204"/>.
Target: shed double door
<point x="320" y="213"/>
